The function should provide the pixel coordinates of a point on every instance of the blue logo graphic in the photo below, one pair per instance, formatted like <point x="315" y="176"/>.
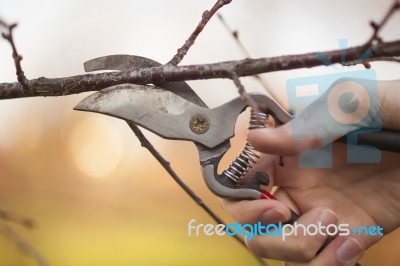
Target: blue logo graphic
<point x="347" y="101"/>
<point x="374" y="230"/>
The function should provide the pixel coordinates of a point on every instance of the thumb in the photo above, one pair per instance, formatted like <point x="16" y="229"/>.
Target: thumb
<point x="343" y="108"/>
<point x="280" y="141"/>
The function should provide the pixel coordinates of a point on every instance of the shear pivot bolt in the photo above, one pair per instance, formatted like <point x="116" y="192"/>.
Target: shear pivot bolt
<point x="199" y="124"/>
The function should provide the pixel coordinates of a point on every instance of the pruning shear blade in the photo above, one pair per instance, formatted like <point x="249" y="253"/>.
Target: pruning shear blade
<point x="164" y="113"/>
<point x="126" y="62"/>
<point x="174" y="111"/>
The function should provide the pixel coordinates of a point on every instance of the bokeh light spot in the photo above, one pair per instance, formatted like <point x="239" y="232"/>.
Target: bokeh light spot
<point x="96" y="146"/>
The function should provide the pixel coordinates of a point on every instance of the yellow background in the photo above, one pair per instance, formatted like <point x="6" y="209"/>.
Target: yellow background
<point x="97" y="197"/>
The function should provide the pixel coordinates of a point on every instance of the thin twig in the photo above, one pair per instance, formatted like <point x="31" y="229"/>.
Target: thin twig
<point x="242" y="91"/>
<point x="22" y="244"/>
<point x="143" y="140"/>
<point x="207" y="15"/>
<point x="17" y="58"/>
<point x="378" y="26"/>
<point x="234" y="34"/>
<point x="245" y="52"/>
<point x="166" y="165"/>
<point x="3" y="24"/>
<point x="367" y="62"/>
<point x="28" y="223"/>
<point x="375" y="38"/>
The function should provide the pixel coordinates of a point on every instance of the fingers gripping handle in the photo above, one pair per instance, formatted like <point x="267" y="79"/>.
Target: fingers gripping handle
<point x="226" y="185"/>
<point x="293" y="215"/>
<point x="223" y="187"/>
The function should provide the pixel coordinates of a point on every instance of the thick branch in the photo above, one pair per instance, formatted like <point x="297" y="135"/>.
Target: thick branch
<point x="246" y="67"/>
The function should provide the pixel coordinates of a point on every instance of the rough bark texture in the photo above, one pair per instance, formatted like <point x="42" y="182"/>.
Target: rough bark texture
<point x="247" y="67"/>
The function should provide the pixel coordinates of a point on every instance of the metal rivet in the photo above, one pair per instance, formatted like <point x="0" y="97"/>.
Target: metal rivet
<point x="199" y="124"/>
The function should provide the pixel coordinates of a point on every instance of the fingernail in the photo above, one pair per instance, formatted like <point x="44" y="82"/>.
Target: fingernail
<point x="349" y="249"/>
<point x="327" y="217"/>
<point x="273" y="216"/>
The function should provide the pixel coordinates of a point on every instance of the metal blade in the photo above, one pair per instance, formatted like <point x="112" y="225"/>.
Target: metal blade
<point x="125" y="62"/>
<point x="118" y="62"/>
<point x="165" y="113"/>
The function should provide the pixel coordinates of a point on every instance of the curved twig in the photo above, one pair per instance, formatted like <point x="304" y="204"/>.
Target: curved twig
<point x="207" y="15"/>
<point x="22" y="244"/>
<point x="17" y="58"/>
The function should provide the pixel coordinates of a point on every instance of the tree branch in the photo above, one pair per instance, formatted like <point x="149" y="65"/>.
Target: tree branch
<point x="242" y="91"/>
<point x="168" y="73"/>
<point x="166" y="165"/>
<point x="207" y="15"/>
<point x="367" y="62"/>
<point x="17" y="58"/>
<point x="28" y="223"/>
<point x="171" y="72"/>
<point x="235" y="36"/>
<point x="23" y="245"/>
<point x="375" y="38"/>
<point x="378" y="26"/>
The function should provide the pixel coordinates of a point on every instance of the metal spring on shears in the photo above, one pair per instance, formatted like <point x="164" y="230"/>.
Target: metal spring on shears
<point x="245" y="160"/>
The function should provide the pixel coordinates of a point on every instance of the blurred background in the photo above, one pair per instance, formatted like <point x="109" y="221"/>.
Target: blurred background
<point x="97" y="197"/>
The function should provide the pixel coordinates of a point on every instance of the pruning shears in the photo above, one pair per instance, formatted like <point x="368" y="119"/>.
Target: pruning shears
<point x="173" y="110"/>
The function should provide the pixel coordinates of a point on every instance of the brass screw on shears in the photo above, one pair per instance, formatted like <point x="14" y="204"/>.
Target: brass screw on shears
<point x="199" y="124"/>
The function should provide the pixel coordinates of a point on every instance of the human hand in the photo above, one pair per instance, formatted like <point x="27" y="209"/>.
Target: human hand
<point x="354" y="194"/>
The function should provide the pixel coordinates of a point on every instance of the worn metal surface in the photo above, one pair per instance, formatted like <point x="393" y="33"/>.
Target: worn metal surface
<point x="125" y="62"/>
<point x="174" y="111"/>
<point x="164" y="112"/>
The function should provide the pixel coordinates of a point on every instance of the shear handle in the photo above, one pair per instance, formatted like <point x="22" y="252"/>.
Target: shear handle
<point x="223" y="187"/>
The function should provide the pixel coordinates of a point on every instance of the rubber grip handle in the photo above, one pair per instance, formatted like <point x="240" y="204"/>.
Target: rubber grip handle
<point x="386" y="140"/>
